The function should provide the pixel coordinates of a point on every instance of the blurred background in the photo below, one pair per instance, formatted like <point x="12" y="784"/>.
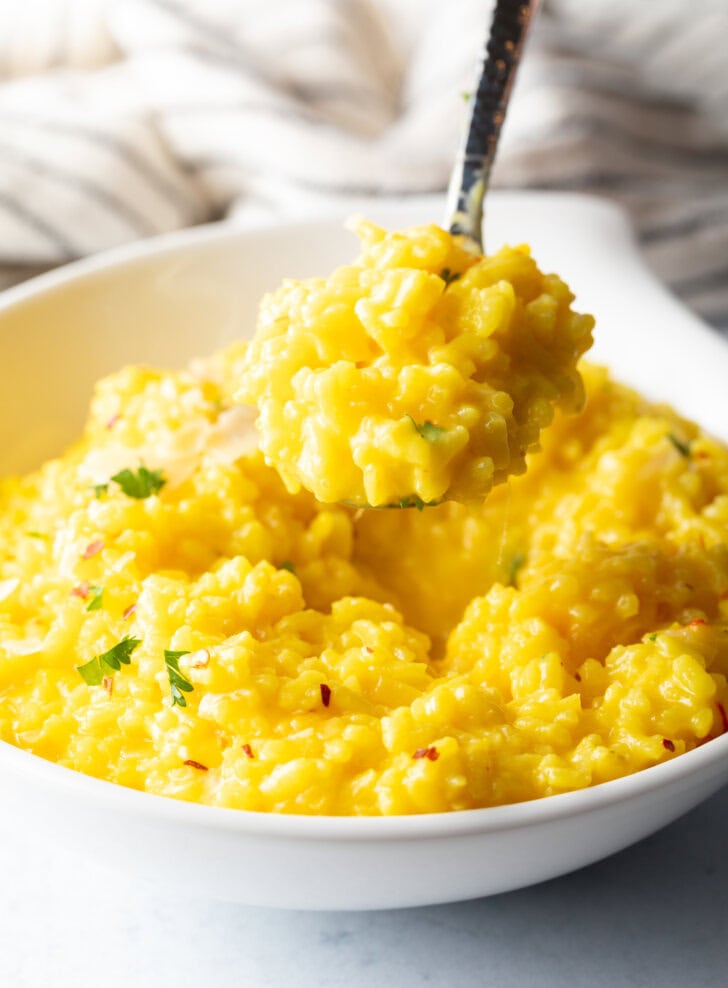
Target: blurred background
<point x="120" y="119"/>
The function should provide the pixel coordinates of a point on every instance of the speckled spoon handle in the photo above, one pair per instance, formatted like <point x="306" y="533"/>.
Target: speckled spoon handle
<point x="471" y="173"/>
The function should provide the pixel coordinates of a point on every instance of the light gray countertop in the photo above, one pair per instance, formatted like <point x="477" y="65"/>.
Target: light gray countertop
<point x="654" y="915"/>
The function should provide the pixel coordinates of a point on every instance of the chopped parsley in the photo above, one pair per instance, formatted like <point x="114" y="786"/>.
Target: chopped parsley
<point x="449" y="276"/>
<point x="652" y="638"/>
<point x="96" y="595"/>
<point x="35" y="535"/>
<point x="428" y="430"/>
<point x="99" y="490"/>
<point x="516" y="565"/>
<point x="141" y="483"/>
<point x="288" y="565"/>
<point x="412" y="502"/>
<point x="680" y="445"/>
<point x="93" y="672"/>
<point x="177" y="682"/>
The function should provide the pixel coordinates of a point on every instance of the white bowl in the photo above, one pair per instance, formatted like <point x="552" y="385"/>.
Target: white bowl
<point x="164" y="301"/>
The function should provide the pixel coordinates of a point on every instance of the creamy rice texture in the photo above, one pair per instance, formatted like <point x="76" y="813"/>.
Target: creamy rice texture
<point x="570" y="630"/>
<point x="178" y="614"/>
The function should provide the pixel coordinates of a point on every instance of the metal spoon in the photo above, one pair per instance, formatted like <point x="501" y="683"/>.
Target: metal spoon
<point x="471" y="172"/>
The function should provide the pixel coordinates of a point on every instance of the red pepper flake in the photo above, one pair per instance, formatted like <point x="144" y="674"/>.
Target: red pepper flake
<point x="248" y="751"/>
<point x="198" y="765"/>
<point x="108" y="683"/>
<point x="93" y="548"/>
<point x="200" y="658"/>
<point x="701" y="455"/>
<point x="723" y="716"/>
<point x="325" y="694"/>
<point x="129" y="611"/>
<point x="577" y="677"/>
<point x="112" y="421"/>
<point x="696" y="623"/>
<point x="82" y="590"/>
<point x="369" y="650"/>
<point x="667" y="743"/>
<point x="432" y="753"/>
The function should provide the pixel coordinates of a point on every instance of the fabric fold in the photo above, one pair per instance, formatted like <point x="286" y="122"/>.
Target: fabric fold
<point x="123" y="120"/>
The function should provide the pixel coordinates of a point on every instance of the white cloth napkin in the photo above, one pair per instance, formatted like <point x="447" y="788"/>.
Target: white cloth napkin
<point x="123" y="119"/>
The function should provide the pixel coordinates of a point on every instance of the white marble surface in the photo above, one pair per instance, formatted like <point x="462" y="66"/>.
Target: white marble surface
<point x="655" y="915"/>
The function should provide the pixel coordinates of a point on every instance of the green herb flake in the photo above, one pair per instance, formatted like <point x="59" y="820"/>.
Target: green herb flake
<point x="449" y="276"/>
<point x="517" y="564"/>
<point x="680" y="445"/>
<point x="411" y="502"/>
<point x="288" y="565"/>
<point x="120" y="654"/>
<point x="99" y="490"/>
<point x="652" y="638"/>
<point x="93" y="672"/>
<point x="141" y="483"/>
<point x="35" y="535"/>
<point x="96" y="598"/>
<point x="428" y="430"/>
<point x="177" y="682"/>
<point x="466" y="96"/>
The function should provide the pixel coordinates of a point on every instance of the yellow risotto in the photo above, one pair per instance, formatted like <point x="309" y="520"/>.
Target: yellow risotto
<point x="174" y="619"/>
<point x="422" y="372"/>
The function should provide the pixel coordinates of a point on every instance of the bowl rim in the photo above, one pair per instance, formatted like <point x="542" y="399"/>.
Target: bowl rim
<point x="314" y="828"/>
<point x="309" y="827"/>
<point x="188" y="238"/>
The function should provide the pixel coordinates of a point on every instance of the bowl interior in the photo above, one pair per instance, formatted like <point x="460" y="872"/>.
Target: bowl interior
<point x="166" y="301"/>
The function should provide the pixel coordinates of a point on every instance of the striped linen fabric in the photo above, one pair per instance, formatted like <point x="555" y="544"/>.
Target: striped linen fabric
<point x="119" y="120"/>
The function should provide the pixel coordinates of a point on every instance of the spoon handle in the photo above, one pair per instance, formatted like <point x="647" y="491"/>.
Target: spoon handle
<point x="471" y="173"/>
